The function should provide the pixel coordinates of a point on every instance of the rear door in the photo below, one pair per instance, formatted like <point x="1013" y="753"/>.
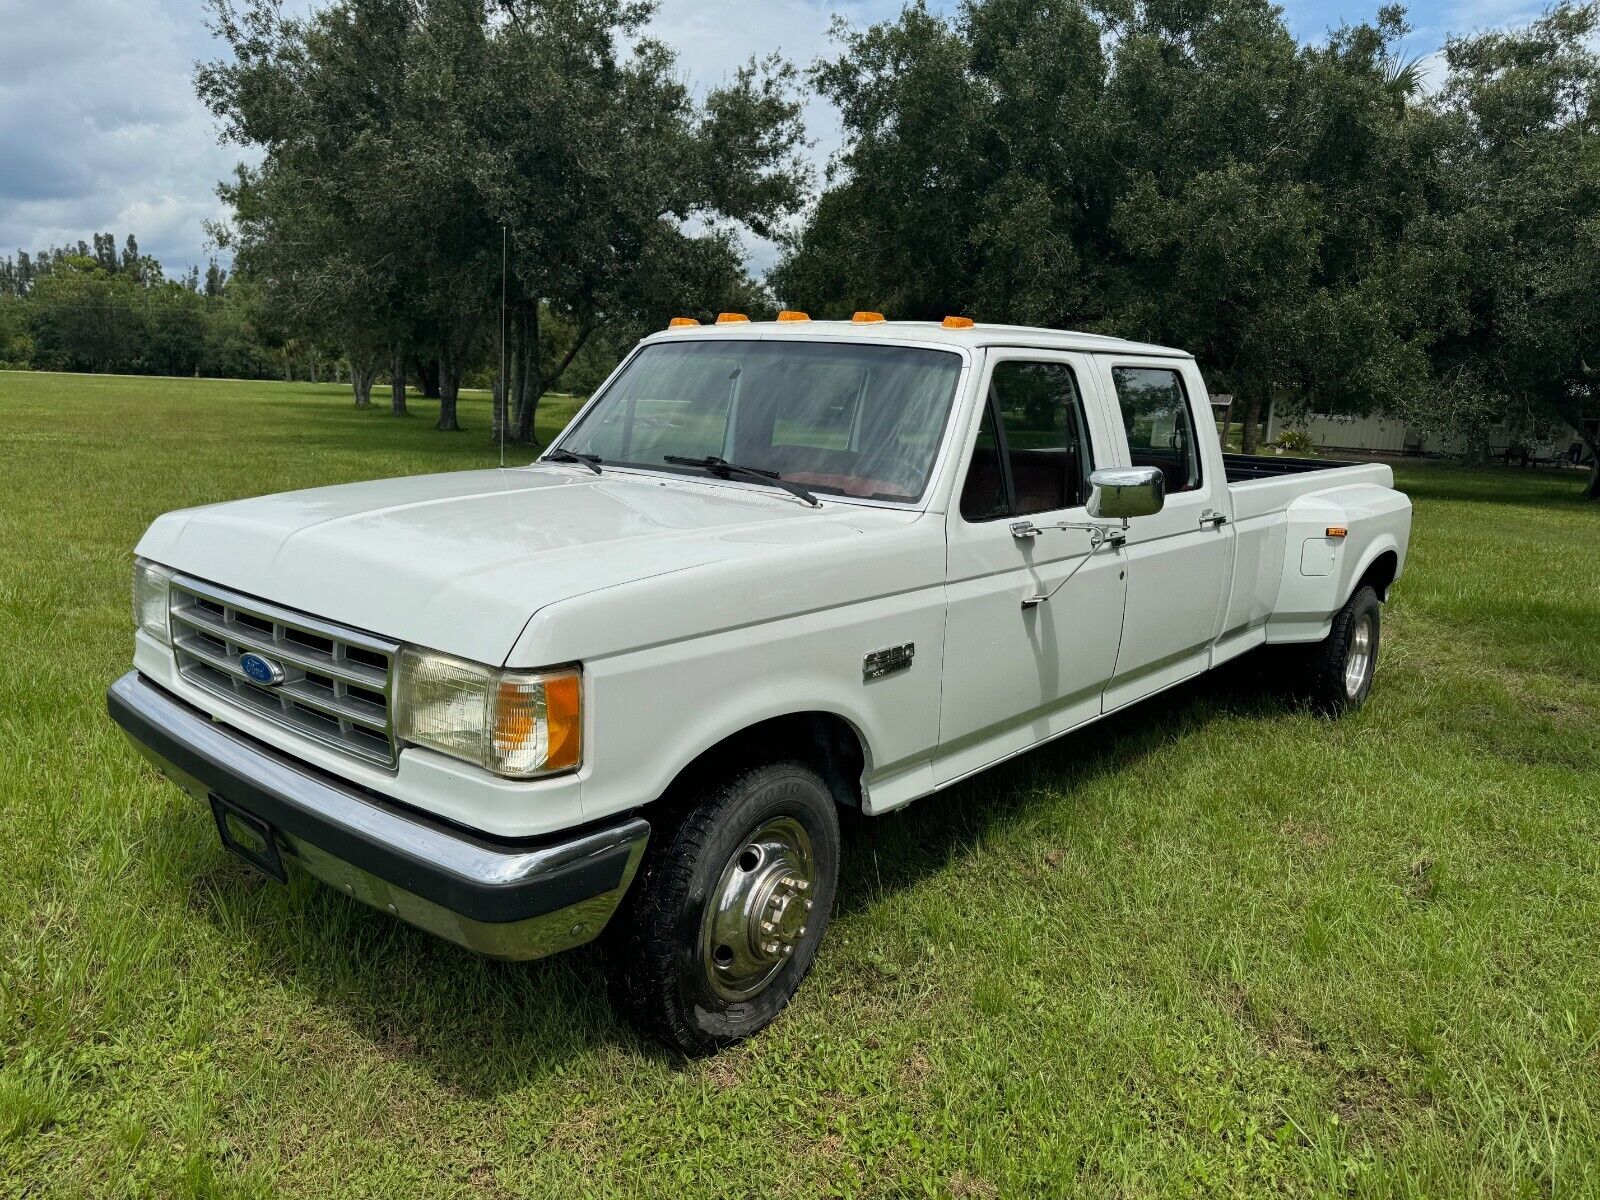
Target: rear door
<point x="1180" y="559"/>
<point x="1018" y="669"/>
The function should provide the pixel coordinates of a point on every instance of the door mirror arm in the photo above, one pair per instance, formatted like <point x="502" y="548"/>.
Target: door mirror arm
<point x="1099" y="535"/>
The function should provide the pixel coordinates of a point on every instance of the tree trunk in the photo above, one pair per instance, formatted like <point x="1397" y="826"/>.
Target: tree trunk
<point x="528" y="385"/>
<point x="361" y="373"/>
<point x="1573" y="416"/>
<point x="1592" y="492"/>
<point x="449" y="390"/>
<point x="426" y="372"/>
<point x="501" y="392"/>
<point x="1249" y="423"/>
<point x="397" y="384"/>
<point x="535" y="384"/>
<point x="498" y="386"/>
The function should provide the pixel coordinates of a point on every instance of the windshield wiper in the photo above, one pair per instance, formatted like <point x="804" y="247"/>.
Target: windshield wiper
<point x="592" y="461"/>
<point x="724" y="469"/>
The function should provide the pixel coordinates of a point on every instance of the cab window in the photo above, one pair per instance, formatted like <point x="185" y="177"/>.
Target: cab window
<point x="1032" y="453"/>
<point x="1155" y="415"/>
<point x="983" y="496"/>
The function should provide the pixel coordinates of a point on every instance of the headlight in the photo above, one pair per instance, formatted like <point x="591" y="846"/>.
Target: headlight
<point x="515" y="723"/>
<point x="150" y="598"/>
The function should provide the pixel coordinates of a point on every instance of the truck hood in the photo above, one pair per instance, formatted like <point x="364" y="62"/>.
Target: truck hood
<point x="460" y="562"/>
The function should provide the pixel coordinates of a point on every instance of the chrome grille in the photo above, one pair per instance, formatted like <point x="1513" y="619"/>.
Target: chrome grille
<point x="336" y="681"/>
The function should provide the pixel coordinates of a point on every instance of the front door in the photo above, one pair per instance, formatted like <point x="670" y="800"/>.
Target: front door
<point x="1033" y="620"/>
<point x="1179" y="560"/>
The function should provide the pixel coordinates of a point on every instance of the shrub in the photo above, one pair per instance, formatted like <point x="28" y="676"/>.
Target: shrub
<point x="1295" y="441"/>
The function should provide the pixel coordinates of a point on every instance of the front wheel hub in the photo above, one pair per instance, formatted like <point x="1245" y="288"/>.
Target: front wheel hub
<point x="760" y="910"/>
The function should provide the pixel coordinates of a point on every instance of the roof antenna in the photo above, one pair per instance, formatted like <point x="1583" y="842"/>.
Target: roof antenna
<point x="503" y="400"/>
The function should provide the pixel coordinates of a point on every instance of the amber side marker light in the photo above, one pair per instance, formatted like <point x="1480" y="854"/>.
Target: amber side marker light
<point x="957" y="322"/>
<point x="867" y="318"/>
<point x="564" y="716"/>
<point x="789" y="314"/>
<point x="732" y="319"/>
<point x="1336" y="531"/>
<point x="681" y="322"/>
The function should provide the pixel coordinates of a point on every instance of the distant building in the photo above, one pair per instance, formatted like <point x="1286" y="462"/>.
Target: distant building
<point x="1384" y="434"/>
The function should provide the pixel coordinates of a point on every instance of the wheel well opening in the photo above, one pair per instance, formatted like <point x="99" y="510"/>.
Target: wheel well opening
<point x="1380" y="574"/>
<point x="825" y="740"/>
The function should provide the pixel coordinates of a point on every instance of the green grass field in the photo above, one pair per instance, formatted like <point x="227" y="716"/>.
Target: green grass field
<point x="1214" y="946"/>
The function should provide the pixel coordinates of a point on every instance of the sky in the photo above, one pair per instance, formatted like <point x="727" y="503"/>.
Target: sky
<point x="100" y="128"/>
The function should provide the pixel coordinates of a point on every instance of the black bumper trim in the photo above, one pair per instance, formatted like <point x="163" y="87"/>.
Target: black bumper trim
<point x="476" y="876"/>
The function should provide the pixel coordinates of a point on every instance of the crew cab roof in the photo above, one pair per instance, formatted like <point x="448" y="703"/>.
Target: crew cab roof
<point x="932" y="333"/>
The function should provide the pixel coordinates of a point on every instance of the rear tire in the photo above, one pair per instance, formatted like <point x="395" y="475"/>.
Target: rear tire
<point x="731" y="902"/>
<point x="1343" y="664"/>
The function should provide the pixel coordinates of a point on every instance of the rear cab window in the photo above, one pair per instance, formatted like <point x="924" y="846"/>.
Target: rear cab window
<point x="1159" y="423"/>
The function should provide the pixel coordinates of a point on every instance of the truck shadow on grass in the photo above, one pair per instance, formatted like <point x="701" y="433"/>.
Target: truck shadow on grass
<point x="378" y="987"/>
<point x="885" y="854"/>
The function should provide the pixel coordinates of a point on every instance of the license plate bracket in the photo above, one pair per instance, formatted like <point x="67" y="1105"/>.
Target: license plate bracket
<point x="248" y="836"/>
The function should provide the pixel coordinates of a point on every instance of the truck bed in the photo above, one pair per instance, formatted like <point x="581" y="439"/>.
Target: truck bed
<point x="1265" y="484"/>
<point x="1242" y="468"/>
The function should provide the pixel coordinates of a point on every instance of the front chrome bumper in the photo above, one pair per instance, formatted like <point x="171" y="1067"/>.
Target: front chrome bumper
<point x="515" y="899"/>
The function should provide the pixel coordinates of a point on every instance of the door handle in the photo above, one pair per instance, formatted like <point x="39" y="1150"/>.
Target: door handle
<point x="1215" y="520"/>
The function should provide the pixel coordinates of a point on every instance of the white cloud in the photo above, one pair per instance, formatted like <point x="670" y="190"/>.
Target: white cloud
<point x="101" y="128"/>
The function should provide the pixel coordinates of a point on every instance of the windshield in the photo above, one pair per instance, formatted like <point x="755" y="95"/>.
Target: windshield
<point x="852" y="420"/>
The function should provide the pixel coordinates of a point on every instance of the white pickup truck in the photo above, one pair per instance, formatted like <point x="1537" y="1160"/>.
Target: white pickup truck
<point x="768" y="570"/>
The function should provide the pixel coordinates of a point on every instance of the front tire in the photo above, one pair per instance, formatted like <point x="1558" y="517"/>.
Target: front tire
<point x="731" y="902"/>
<point x="1343" y="663"/>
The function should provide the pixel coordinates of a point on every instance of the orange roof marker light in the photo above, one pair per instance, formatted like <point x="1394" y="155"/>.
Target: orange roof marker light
<point x="867" y="318"/>
<point x="681" y="322"/>
<point x="789" y="314"/>
<point x="957" y="322"/>
<point x="732" y="319"/>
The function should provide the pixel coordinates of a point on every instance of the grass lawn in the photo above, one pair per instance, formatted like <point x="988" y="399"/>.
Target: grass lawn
<point x="1213" y="946"/>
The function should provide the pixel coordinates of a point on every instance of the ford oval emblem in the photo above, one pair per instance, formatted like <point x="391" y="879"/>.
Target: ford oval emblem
<point x="260" y="670"/>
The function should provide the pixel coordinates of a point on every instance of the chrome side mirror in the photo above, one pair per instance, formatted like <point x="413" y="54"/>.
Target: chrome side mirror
<point x="1123" y="492"/>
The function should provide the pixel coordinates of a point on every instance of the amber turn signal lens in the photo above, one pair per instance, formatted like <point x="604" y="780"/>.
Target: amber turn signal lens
<point x="790" y="315"/>
<point x="867" y="318"/>
<point x="681" y="322"/>
<point x="957" y="322"/>
<point x="1337" y="531"/>
<point x="564" y="717"/>
<point x="732" y="319"/>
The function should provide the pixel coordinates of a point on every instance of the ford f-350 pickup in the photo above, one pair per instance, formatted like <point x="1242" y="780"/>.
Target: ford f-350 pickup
<point x="770" y="569"/>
